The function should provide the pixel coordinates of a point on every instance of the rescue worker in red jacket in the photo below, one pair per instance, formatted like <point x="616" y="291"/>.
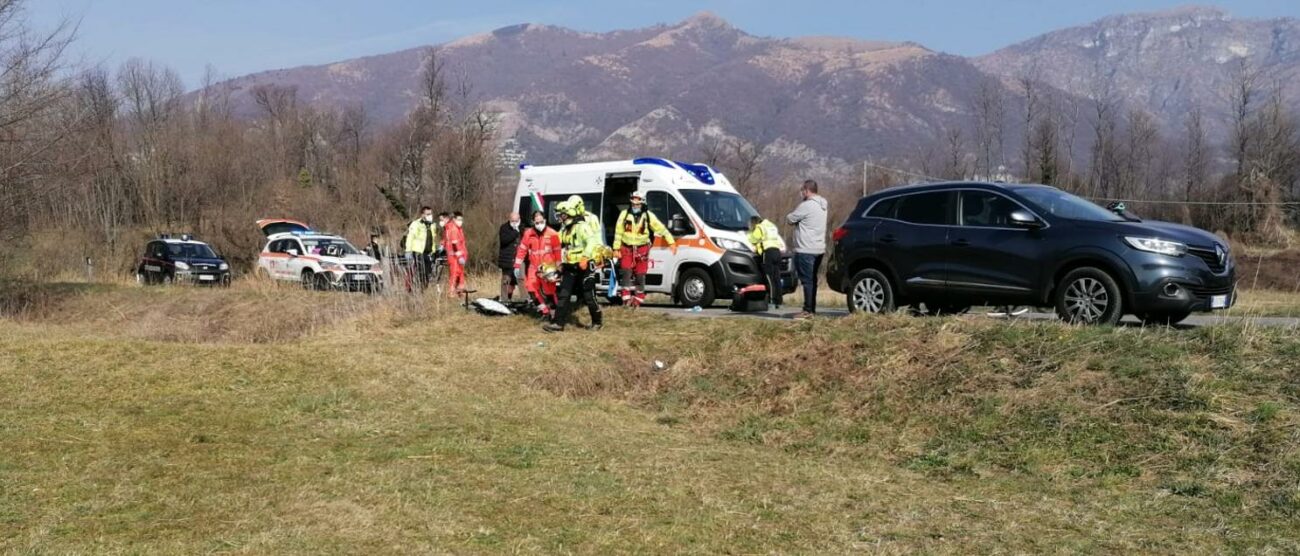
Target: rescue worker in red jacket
<point x="537" y="263"/>
<point x="453" y="240"/>
<point x="632" y="242"/>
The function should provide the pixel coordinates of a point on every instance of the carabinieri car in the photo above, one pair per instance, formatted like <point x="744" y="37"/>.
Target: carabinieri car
<point x="184" y="259"/>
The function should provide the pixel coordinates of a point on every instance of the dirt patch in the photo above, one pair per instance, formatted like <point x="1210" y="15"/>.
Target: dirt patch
<point x="1278" y="271"/>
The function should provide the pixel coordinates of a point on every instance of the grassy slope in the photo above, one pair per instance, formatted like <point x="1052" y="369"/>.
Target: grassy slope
<point x="399" y="430"/>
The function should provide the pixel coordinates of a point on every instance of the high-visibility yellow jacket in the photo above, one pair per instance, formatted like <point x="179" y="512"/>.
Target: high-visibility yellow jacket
<point x="581" y="239"/>
<point x="765" y="236"/>
<point x="634" y="230"/>
<point x="417" y="234"/>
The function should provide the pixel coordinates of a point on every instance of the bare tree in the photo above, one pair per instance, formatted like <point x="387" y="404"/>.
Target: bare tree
<point x="1135" y="161"/>
<point x="152" y="93"/>
<point x="990" y="117"/>
<point x="1242" y="96"/>
<point x="1029" y="122"/>
<point x="740" y="160"/>
<point x="33" y="94"/>
<point x="954" y="155"/>
<point x="1105" y="127"/>
<point x="1196" y="154"/>
<point x="1042" y="148"/>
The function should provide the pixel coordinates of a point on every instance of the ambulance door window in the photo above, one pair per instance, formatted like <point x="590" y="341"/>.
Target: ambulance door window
<point x="667" y="208"/>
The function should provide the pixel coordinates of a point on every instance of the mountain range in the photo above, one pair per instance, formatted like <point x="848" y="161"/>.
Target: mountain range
<point x="818" y="102"/>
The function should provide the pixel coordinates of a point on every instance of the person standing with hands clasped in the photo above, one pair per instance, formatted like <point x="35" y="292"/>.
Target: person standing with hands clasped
<point x="421" y="239"/>
<point x="507" y="243"/>
<point x="809" y="221"/>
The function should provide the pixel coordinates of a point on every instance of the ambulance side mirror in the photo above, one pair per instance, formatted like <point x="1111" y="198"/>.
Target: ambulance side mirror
<point x="679" y="226"/>
<point x="292" y="252"/>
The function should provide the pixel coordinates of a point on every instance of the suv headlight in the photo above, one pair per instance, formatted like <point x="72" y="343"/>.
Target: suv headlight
<point x="336" y="267"/>
<point x="732" y="245"/>
<point x="1160" y="246"/>
<point x="223" y="266"/>
<point x="182" y="266"/>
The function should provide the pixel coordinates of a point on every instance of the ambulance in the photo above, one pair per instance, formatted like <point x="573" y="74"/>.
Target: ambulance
<point x="698" y="205"/>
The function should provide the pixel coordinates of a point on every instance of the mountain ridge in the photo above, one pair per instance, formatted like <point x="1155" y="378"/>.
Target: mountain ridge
<point x="569" y="95"/>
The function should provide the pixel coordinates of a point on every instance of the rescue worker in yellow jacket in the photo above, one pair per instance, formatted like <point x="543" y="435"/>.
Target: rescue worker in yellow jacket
<point x="584" y="251"/>
<point x="765" y="239"/>
<point x="632" y="242"/>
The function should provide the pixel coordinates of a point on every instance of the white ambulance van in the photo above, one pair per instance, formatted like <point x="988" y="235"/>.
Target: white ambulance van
<point x="705" y="214"/>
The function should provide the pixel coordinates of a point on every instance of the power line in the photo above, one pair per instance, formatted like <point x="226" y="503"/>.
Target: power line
<point x="903" y="172"/>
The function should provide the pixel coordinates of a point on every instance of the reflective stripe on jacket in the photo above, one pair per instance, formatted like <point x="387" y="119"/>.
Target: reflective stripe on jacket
<point x="766" y="236"/>
<point x="581" y="239"/>
<point x="634" y="231"/>
<point x="417" y="234"/>
<point x="538" y="248"/>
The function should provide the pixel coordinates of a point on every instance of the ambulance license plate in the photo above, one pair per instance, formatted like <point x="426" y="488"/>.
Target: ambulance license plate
<point x="360" y="278"/>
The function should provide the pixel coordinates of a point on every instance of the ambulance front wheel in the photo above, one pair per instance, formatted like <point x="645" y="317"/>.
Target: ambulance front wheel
<point x="695" y="288"/>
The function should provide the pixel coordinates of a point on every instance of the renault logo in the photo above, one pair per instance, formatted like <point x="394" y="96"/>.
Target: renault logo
<point x="1223" y="255"/>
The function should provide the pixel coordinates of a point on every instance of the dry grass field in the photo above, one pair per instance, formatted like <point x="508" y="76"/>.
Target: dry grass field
<point x="257" y="420"/>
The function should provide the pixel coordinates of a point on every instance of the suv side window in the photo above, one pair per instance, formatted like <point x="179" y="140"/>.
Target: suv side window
<point x="986" y="209"/>
<point x="926" y="208"/>
<point x="665" y="207"/>
<point x="883" y="209"/>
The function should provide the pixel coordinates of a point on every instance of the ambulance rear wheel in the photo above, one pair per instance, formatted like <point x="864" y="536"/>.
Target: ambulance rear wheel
<point x="695" y="288"/>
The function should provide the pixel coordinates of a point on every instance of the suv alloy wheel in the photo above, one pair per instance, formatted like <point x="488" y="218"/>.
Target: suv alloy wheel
<point x="871" y="292"/>
<point x="1089" y="296"/>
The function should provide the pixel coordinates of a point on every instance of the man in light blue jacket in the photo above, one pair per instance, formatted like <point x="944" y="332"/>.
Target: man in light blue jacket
<point x="809" y="221"/>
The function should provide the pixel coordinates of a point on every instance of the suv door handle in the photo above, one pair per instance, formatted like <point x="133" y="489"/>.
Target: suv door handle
<point x="961" y="242"/>
<point x="889" y="238"/>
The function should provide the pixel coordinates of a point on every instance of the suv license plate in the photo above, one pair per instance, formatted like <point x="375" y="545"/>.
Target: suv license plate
<point x="207" y="277"/>
<point x="1219" y="302"/>
<point x="360" y="278"/>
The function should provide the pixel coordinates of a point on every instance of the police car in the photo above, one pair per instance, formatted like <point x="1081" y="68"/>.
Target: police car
<point x="184" y="259"/>
<point x="319" y="261"/>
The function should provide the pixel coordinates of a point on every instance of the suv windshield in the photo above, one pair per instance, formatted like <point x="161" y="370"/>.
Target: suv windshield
<point x="190" y="251"/>
<point x="329" y="247"/>
<point x="720" y="209"/>
<point x="1059" y="203"/>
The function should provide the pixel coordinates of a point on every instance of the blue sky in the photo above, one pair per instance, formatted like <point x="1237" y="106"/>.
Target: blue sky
<point x="243" y="36"/>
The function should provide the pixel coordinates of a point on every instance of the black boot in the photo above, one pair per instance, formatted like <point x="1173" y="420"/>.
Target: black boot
<point x="552" y="327"/>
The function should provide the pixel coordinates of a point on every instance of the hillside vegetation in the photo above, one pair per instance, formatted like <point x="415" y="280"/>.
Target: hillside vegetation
<point x="310" y="423"/>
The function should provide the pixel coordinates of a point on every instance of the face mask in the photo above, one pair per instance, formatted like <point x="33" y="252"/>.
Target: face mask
<point x="636" y="209"/>
<point x="539" y="226"/>
<point x="460" y="222"/>
<point x="428" y="218"/>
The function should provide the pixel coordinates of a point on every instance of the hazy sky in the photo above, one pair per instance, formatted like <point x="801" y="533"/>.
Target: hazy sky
<point x="243" y="36"/>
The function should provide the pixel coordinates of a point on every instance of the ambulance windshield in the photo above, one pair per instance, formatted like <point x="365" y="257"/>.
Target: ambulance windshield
<point x="722" y="210"/>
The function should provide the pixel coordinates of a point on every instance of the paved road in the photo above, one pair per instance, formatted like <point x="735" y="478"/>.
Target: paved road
<point x="787" y="312"/>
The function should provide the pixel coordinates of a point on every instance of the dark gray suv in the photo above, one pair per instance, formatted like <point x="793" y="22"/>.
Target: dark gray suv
<point x="945" y="247"/>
